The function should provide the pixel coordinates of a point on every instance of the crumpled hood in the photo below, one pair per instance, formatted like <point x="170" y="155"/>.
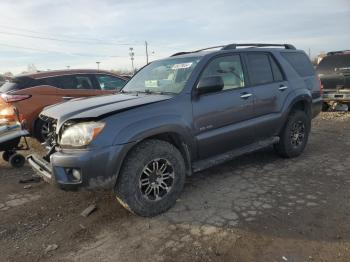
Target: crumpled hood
<point x="99" y="106"/>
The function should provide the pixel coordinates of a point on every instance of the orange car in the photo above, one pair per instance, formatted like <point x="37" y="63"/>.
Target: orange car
<point x="30" y="93"/>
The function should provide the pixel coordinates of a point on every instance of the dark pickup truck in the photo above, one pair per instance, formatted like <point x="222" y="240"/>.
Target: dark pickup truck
<point x="334" y="72"/>
<point x="180" y="115"/>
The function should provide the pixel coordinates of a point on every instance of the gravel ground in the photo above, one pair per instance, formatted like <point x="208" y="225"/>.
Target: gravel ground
<point x="258" y="207"/>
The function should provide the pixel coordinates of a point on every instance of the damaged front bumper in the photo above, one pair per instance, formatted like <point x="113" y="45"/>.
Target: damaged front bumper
<point x="76" y="169"/>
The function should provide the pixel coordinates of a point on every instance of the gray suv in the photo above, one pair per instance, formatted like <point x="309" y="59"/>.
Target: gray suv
<point x="180" y="115"/>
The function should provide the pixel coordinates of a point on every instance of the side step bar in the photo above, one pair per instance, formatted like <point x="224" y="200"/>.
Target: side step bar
<point x="216" y="160"/>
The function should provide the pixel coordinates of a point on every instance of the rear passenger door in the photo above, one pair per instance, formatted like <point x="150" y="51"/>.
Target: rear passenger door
<point x="270" y="91"/>
<point x="221" y="119"/>
<point x="74" y="86"/>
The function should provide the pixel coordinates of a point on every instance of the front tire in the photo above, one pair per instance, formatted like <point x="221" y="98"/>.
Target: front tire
<point x="151" y="179"/>
<point x="41" y="130"/>
<point x="294" y="135"/>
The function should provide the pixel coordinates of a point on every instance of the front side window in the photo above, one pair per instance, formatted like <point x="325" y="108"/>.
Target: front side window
<point x="259" y="69"/>
<point x="84" y="82"/>
<point x="229" y="68"/>
<point x="164" y="76"/>
<point x="107" y="82"/>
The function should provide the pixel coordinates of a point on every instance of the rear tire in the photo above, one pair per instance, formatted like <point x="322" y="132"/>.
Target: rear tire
<point x="41" y="130"/>
<point x="294" y="135"/>
<point x="17" y="160"/>
<point x="151" y="179"/>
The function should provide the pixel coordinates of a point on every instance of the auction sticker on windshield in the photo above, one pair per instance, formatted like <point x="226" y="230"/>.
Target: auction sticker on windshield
<point x="151" y="83"/>
<point x="181" y="66"/>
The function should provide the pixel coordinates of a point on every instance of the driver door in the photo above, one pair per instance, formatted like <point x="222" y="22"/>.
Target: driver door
<point x="221" y="119"/>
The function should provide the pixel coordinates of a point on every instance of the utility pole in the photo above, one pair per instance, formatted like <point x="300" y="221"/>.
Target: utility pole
<point x="98" y="65"/>
<point x="132" y="54"/>
<point x="310" y="53"/>
<point x="146" y="45"/>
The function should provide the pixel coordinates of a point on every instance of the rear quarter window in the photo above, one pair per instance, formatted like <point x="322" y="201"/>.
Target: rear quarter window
<point x="17" y="83"/>
<point x="300" y="62"/>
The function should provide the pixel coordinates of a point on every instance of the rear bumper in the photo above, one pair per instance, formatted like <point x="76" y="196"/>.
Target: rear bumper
<point x="77" y="169"/>
<point x="342" y="95"/>
<point x="11" y="132"/>
<point x="12" y="135"/>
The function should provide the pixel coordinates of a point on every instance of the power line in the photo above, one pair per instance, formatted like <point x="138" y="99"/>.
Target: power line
<point x="59" y="52"/>
<point x="70" y="37"/>
<point x="64" y="40"/>
<point x="42" y="33"/>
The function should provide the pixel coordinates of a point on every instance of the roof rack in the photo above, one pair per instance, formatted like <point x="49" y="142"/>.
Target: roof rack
<point x="199" y="50"/>
<point x="234" y="46"/>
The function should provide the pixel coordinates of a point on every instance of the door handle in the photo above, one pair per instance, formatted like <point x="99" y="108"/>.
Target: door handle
<point x="65" y="98"/>
<point x="245" y="95"/>
<point x="282" y="87"/>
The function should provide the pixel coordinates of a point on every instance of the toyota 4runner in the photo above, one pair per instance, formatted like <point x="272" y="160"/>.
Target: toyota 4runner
<point x="180" y="115"/>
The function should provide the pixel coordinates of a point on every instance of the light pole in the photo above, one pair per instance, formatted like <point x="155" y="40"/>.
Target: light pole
<point x="98" y="65"/>
<point x="132" y="54"/>
<point x="146" y="45"/>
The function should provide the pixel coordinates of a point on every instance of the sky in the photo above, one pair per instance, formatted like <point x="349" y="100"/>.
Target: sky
<point x="56" y="34"/>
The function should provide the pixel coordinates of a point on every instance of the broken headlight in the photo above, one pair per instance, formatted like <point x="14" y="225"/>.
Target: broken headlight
<point x="81" y="134"/>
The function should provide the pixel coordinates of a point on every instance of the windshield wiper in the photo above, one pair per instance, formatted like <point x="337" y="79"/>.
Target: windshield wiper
<point x="148" y="91"/>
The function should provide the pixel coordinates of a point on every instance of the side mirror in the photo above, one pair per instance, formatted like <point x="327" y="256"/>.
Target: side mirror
<point x="210" y="84"/>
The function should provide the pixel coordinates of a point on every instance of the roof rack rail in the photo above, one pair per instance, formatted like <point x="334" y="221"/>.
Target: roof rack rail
<point x="196" y="51"/>
<point x="234" y="46"/>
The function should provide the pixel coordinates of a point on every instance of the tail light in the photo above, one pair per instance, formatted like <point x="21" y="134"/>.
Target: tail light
<point x="321" y="85"/>
<point x="8" y="98"/>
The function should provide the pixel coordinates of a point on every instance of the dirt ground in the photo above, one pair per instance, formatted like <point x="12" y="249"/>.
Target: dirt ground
<point x="258" y="207"/>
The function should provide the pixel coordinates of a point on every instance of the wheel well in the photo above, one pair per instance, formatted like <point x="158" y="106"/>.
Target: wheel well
<point x="177" y="141"/>
<point x="302" y="105"/>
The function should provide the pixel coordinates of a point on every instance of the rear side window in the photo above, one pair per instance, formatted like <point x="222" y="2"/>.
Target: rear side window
<point x="64" y="82"/>
<point x="69" y="82"/>
<point x="259" y="69"/>
<point x="300" y="62"/>
<point x="17" y="83"/>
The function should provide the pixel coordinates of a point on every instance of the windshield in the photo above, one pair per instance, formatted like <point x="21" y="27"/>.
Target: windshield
<point x="165" y="76"/>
